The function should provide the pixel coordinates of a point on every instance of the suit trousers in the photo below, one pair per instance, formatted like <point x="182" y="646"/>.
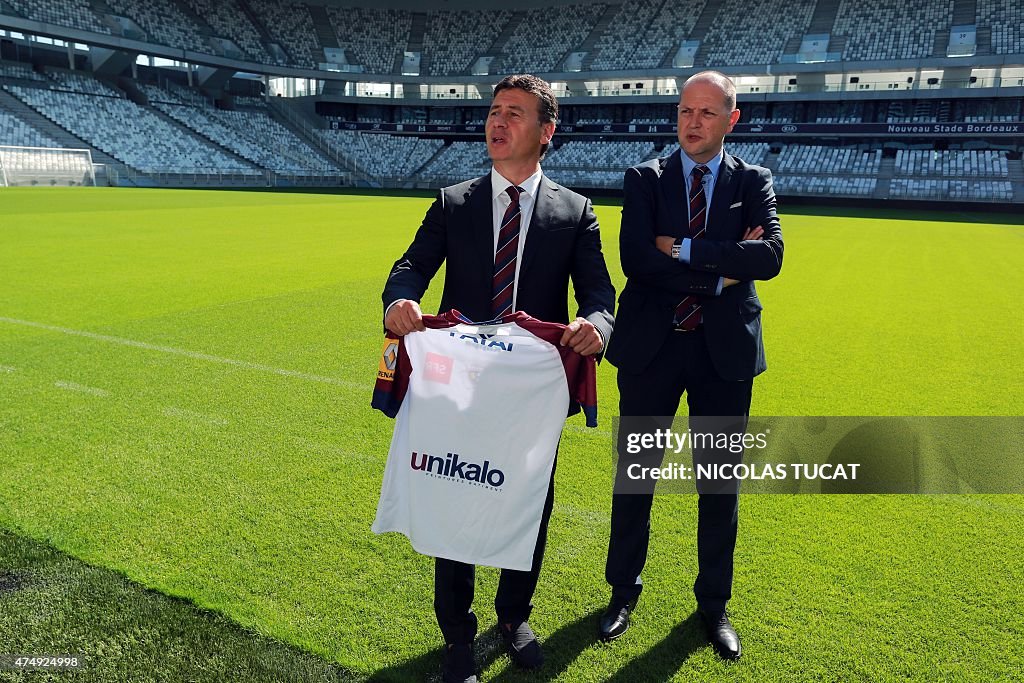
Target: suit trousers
<point x="683" y="364"/>
<point x="455" y="584"/>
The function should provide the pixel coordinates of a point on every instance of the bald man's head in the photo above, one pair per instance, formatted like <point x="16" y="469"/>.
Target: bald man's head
<point x="707" y="113"/>
<point x="720" y="81"/>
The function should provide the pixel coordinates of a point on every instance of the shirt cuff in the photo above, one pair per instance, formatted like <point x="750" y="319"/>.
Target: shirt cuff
<point x="388" y="309"/>
<point x="684" y="251"/>
<point x="721" y="283"/>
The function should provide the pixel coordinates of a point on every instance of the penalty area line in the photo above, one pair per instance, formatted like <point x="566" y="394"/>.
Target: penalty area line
<point x="82" y="389"/>
<point x="194" y="355"/>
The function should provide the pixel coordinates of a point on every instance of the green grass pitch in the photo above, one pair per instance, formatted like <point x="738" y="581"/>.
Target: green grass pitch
<point x="184" y="400"/>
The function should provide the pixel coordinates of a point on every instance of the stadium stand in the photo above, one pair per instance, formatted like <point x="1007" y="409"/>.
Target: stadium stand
<point x="634" y="36"/>
<point x="14" y="131"/>
<point x="228" y="20"/>
<point x="374" y="38"/>
<point x="750" y="152"/>
<point x="616" y="155"/>
<point x="453" y="40"/>
<point x="254" y="136"/>
<point x="673" y="22"/>
<point x="79" y="83"/>
<point x="586" y="178"/>
<point x="164" y="23"/>
<point x="544" y="37"/>
<point x="741" y="36"/>
<point x="831" y="160"/>
<point x="881" y="29"/>
<point x="156" y="94"/>
<point x="150" y="144"/>
<point x="290" y="24"/>
<point x="383" y="156"/>
<point x="459" y="161"/>
<point x="76" y="13"/>
<point x="1005" y="18"/>
<point x="625" y="33"/>
<point x="953" y="163"/>
<point x="824" y="185"/>
<point x="928" y="188"/>
<point x="257" y="102"/>
<point x="22" y="72"/>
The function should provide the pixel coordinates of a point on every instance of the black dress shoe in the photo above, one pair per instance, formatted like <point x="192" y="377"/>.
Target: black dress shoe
<point x="523" y="648"/>
<point x="615" y="620"/>
<point x="458" y="666"/>
<point x="722" y="635"/>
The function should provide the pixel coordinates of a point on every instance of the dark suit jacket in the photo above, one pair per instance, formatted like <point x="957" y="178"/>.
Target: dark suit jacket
<point x="655" y="204"/>
<point x="563" y="241"/>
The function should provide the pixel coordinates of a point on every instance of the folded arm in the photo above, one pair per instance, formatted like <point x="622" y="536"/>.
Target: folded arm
<point x="748" y="258"/>
<point x="642" y="261"/>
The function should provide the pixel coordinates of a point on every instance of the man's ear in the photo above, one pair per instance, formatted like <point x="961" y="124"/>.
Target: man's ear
<point x="547" y="131"/>
<point x="733" y="118"/>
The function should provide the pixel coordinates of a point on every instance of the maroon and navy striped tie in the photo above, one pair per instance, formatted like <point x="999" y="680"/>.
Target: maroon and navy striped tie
<point x="505" y="256"/>
<point x="688" y="313"/>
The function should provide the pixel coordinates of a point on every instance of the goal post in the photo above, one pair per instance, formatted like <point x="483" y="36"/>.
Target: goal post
<point x="45" y="166"/>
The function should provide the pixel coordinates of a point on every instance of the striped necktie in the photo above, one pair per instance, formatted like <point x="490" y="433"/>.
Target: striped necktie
<point x="688" y="312"/>
<point x="505" y="256"/>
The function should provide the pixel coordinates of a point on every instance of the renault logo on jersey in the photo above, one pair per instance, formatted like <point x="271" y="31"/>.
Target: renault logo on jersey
<point x="451" y="467"/>
<point x="388" y="360"/>
<point x="483" y="341"/>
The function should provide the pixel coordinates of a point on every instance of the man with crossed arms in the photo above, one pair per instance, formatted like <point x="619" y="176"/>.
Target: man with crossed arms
<point x="689" y="321"/>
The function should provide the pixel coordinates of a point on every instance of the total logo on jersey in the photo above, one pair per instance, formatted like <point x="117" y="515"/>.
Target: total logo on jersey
<point x="484" y="341"/>
<point x="453" y="468"/>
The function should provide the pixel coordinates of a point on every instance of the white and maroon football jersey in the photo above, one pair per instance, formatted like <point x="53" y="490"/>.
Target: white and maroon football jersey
<point x="480" y="409"/>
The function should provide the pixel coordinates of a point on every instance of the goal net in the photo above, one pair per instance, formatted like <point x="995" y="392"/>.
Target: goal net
<point x="45" y="166"/>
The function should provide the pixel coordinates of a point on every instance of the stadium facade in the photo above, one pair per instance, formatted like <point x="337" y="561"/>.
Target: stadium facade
<point x="858" y="100"/>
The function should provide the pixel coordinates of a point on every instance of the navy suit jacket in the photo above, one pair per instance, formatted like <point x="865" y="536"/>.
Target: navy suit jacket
<point x="655" y="204"/>
<point x="562" y="242"/>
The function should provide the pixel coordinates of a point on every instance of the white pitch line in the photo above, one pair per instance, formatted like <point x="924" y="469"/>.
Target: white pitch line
<point x="81" y="388"/>
<point x="189" y="354"/>
<point x="193" y="416"/>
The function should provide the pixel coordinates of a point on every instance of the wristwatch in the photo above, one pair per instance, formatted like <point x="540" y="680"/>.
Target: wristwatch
<point x="677" y="246"/>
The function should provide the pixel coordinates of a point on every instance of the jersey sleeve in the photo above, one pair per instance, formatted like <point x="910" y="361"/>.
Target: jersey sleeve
<point x="395" y="367"/>
<point x="581" y="373"/>
<point x="393" y="372"/>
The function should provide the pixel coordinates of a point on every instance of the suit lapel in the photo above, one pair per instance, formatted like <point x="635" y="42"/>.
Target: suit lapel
<point x="675" y="219"/>
<point x="482" y="229"/>
<point x="540" y="221"/>
<point x="725" y="190"/>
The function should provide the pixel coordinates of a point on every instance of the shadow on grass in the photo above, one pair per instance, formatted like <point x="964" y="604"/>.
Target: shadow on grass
<point x="662" y="661"/>
<point x="560" y="650"/>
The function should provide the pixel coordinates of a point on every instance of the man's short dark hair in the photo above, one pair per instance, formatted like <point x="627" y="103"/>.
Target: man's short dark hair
<point x="547" y="105"/>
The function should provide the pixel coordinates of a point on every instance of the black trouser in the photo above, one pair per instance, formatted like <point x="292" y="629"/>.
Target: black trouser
<point x="455" y="582"/>
<point x="681" y="365"/>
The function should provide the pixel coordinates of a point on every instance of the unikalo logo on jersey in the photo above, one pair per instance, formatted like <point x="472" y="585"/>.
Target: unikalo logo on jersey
<point x="483" y="341"/>
<point x="452" y="467"/>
